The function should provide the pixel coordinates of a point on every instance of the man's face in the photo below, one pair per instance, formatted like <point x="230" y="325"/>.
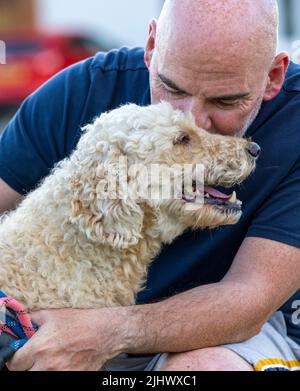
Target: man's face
<point x="224" y="95"/>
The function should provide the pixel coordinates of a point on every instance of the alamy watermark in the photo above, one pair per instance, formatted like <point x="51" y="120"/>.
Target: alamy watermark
<point x="2" y="53"/>
<point x="153" y="181"/>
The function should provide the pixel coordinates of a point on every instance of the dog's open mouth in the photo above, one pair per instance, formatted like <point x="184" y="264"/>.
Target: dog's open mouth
<point x="210" y="196"/>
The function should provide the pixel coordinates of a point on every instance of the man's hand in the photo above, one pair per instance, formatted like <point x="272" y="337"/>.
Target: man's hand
<point x="262" y="277"/>
<point x="70" y="340"/>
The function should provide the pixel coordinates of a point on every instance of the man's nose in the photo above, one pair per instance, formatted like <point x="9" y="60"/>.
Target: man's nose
<point x="202" y="118"/>
<point x="199" y="112"/>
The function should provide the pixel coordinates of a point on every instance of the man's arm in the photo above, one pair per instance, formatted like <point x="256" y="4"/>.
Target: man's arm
<point x="263" y="276"/>
<point x="9" y="198"/>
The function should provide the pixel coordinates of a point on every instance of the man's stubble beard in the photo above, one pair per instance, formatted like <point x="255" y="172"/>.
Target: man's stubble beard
<point x="251" y="118"/>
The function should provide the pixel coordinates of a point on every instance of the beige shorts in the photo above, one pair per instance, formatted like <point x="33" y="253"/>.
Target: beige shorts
<point x="270" y="350"/>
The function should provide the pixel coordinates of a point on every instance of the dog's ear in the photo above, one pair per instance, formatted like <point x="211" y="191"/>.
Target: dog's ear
<point x="104" y="213"/>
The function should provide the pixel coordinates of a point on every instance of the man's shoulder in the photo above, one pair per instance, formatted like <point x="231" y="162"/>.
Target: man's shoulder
<point x="116" y="77"/>
<point x="123" y="59"/>
<point x="280" y="115"/>
<point x="83" y="74"/>
<point x="123" y="62"/>
<point x="95" y="85"/>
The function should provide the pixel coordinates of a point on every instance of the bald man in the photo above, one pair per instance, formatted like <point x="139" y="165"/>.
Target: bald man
<point x="215" y="300"/>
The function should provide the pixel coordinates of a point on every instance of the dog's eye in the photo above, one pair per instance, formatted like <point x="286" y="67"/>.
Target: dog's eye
<point x="182" y="139"/>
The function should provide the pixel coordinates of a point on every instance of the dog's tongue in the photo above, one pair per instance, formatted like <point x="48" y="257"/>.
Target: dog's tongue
<point x="216" y="194"/>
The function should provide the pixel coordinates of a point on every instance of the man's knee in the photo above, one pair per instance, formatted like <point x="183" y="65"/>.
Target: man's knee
<point x="210" y="359"/>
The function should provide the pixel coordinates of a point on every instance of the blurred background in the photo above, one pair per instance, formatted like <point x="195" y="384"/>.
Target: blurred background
<point x="44" y="36"/>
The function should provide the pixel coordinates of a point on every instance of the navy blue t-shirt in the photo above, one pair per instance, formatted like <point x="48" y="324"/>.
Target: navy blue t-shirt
<point x="47" y="128"/>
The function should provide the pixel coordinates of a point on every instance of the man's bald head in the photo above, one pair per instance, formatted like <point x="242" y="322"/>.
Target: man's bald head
<point x="242" y="30"/>
<point x="216" y="59"/>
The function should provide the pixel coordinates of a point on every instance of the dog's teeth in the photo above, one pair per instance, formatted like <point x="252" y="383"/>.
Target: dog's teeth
<point x="232" y="199"/>
<point x="206" y="195"/>
<point x="189" y="197"/>
<point x="239" y="203"/>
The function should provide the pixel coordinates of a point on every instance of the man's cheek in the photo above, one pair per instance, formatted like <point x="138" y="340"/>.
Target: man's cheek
<point x="227" y="125"/>
<point x="156" y="96"/>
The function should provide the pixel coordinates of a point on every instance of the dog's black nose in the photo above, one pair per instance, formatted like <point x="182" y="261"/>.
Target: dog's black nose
<point x="254" y="149"/>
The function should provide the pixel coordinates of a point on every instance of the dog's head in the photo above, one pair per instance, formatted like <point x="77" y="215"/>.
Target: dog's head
<point x="154" y="157"/>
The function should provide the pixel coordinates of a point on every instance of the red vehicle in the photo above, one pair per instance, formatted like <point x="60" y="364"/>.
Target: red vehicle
<point x="31" y="59"/>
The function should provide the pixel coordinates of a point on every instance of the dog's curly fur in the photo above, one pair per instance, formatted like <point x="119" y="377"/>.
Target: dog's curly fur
<point x="67" y="245"/>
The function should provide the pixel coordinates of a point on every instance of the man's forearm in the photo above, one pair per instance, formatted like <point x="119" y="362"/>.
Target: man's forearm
<point x="210" y="315"/>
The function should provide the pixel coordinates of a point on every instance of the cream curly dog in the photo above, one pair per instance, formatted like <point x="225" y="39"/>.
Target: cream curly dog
<point x="70" y="243"/>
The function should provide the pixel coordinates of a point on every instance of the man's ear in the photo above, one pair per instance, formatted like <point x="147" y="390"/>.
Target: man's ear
<point x="276" y="76"/>
<point x="150" y="45"/>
